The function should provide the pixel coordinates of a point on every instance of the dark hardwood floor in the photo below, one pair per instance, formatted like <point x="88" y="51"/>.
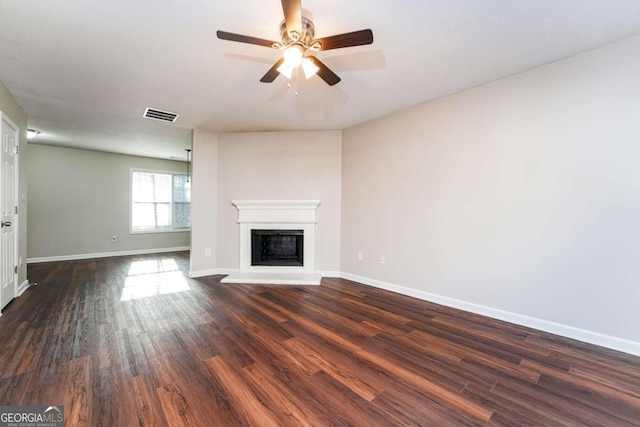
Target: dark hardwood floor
<point x="132" y="341"/>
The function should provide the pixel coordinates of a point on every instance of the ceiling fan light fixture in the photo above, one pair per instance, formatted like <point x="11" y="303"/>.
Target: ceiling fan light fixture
<point x="310" y="69"/>
<point x="293" y="56"/>
<point x="286" y="70"/>
<point x="297" y="33"/>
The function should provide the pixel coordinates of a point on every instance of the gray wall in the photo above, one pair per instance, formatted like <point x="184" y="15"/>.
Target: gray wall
<point x="262" y="166"/>
<point x="78" y="199"/>
<point x="280" y="166"/>
<point x="522" y="195"/>
<point x="204" y="199"/>
<point x="10" y="107"/>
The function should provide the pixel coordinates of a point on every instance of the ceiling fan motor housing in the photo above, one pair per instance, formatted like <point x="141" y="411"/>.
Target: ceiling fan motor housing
<point x="305" y="39"/>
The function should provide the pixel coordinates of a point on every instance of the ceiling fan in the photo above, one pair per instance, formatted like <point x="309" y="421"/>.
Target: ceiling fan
<point x="299" y="45"/>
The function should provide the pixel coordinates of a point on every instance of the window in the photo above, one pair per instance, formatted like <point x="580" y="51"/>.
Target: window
<point x="160" y="201"/>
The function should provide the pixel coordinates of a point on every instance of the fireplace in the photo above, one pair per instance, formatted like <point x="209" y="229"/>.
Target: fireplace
<point x="277" y="247"/>
<point x="277" y="242"/>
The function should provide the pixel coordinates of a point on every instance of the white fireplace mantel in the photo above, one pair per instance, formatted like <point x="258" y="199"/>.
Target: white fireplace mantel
<point x="277" y="211"/>
<point x="283" y="215"/>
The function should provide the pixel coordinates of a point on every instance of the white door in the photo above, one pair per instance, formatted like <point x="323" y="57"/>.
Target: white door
<point x="8" y="207"/>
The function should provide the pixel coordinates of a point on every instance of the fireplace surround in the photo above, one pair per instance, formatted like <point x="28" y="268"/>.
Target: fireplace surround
<point x="289" y="217"/>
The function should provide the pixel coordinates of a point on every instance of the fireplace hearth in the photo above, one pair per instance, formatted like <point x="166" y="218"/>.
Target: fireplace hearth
<point x="277" y="247"/>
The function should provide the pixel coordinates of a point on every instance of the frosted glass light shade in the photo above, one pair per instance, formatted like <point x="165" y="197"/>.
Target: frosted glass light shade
<point x="293" y="55"/>
<point x="286" y="70"/>
<point x="309" y="68"/>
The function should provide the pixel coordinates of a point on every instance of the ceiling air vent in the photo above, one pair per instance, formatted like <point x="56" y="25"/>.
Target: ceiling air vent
<point x="165" y="116"/>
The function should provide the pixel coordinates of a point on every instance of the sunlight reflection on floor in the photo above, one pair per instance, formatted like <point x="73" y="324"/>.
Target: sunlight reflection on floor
<point x="153" y="277"/>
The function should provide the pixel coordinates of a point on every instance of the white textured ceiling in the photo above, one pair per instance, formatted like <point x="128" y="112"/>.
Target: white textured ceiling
<point x="85" y="70"/>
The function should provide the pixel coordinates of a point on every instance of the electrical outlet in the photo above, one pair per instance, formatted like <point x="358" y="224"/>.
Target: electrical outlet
<point x="382" y="260"/>
<point x="207" y="251"/>
<point x="360" y="256"/>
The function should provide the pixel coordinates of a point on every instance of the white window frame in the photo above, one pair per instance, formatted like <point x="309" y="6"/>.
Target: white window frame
<point x="157" y="230"/>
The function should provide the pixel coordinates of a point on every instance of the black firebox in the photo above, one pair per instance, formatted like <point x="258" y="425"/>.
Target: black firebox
<point x="282" y="248"/>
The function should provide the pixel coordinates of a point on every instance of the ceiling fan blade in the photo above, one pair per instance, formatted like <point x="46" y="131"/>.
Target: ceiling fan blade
<point x="272" y="73"/>
<point x="243" y="39"/>
<point x="324" y="72"/>
<point x="292" y="15"/>
<point x="355" y="38"/>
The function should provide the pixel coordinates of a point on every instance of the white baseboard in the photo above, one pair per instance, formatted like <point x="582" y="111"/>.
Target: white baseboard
<point x="106" y="254"/>
<point x="23" y="287"/>
<point x="567" y="331"/>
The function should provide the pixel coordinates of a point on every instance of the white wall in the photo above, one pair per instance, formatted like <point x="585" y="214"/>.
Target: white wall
<point x="10" y="107"/>
<point x="280" y="166"/>
<point x="204" y="203"/>
<point x="522" y="196"/>
<point x="79" y="199"/>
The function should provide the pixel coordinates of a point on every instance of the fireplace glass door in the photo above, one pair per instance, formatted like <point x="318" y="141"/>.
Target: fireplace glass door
<point x="277" y="247"/>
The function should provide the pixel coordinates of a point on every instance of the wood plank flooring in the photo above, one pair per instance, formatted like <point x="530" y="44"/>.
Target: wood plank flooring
<point x="132" y="341"/>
